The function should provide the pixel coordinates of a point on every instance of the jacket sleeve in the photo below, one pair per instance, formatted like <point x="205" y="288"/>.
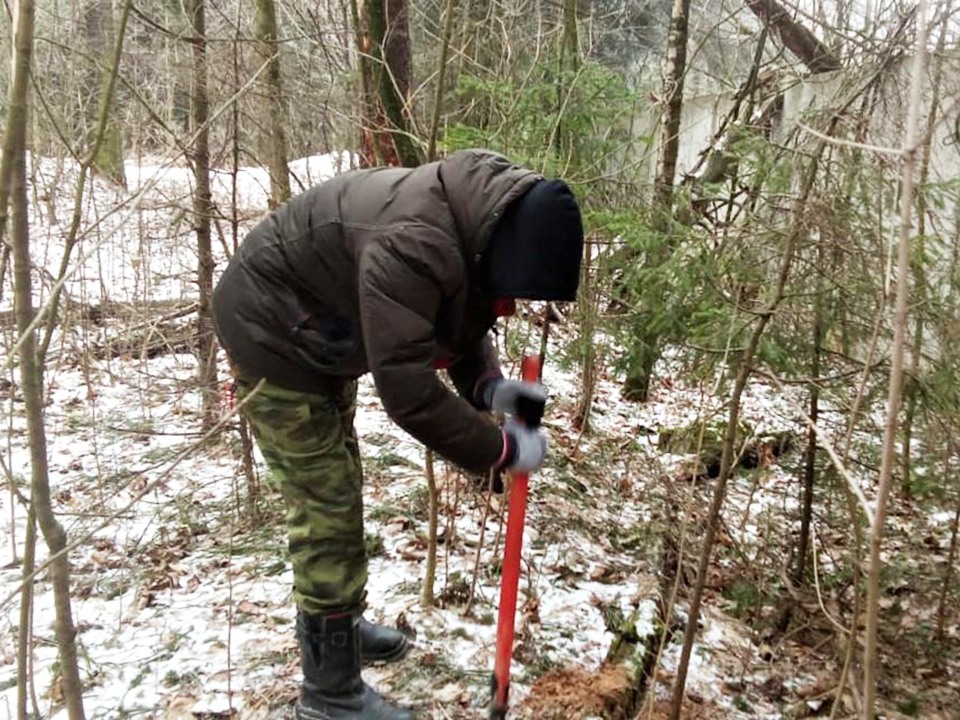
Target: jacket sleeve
<point x="474" y="367"/>
<point x="402" y="282"/>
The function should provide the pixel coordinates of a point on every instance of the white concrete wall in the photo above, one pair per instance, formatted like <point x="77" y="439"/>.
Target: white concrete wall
<point x="806" y="100"/>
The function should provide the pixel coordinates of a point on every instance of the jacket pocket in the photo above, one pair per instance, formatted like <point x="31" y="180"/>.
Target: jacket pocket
<point x="326" y="341"/>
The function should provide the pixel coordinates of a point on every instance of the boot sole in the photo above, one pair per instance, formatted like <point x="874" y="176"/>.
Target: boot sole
<point x="373" y="705"/>
<point x="304" y="713"/>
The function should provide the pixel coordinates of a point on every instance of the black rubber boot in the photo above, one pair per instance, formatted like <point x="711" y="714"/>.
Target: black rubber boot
<point x="332" y="686"/>
<point x="381" y="644"/>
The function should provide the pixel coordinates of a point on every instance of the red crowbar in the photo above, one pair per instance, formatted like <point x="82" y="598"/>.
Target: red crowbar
<point x="510" y="577"/>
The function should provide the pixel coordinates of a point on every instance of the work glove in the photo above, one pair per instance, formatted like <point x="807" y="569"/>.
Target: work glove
<point x="521" y="399"/>
<point x="525" y="447"/>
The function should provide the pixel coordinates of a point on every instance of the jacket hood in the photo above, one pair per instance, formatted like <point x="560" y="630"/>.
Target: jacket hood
<point x="536" y="249"/>
<point x="479" y="185"/>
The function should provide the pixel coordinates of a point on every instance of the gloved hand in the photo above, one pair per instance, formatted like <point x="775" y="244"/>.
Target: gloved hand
<point x="523" y="399"/>
<point x="526" y="447"/>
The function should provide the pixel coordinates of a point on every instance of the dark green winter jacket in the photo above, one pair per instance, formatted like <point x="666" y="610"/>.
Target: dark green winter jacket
<point x="379" y="270"/>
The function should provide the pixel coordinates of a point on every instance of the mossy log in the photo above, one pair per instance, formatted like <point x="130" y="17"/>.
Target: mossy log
<point x="753" y="450"/>
<point x="633" y="652"/>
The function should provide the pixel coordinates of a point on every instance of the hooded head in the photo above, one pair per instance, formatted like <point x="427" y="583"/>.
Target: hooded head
<point x="535" y="250"/>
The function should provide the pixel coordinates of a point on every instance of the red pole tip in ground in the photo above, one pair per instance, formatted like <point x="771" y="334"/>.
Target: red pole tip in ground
<point x="510" y="578"/>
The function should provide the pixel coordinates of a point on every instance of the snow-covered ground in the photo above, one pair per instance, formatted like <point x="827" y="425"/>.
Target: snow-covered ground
<point x="185" y="607"/>
<point x="183" y="599"/>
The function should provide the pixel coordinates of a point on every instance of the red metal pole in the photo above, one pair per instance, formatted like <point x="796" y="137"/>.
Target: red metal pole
<point x="510" y="576"/>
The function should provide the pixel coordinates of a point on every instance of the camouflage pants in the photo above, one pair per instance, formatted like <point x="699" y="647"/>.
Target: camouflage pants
<point x="310" y="445"/>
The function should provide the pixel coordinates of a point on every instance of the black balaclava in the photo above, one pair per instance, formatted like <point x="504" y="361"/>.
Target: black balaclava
<point x="535" y="250"/>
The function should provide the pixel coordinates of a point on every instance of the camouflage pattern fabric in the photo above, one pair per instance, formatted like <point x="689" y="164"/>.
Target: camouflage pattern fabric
<point x="310" y="445"/>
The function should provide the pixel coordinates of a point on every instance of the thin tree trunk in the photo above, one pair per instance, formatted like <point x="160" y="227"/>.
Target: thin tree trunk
<point x="910" y="147"/>
<point x="13" y="165"/>
<point x="570" y="52"/>
<point x="729" y="439"/>
<point x="249" y="469"/>
<point x="587" y="309"/>
<point x="854" y="513"/>
<point x="569" y="64"/>
<point x="548" y="315"/>
<point x="235" y="138"/>
<point x="441" y="75"/>
<point x="810" y="455"/>
<point x="430" y="571"/>
<point x="246" y="443"/>
<point x="273" y="141"/>
<point x="203" y="212"/>
<point x="24" y="650"/>
<point x="483" y="531"/>
<point x="911" y="393"/>
<point x="842" y="28"/>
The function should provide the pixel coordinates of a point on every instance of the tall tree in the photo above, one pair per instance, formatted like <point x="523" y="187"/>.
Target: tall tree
<point x="370" y="151"/>
<point x="569" y="64"/>
<point x="13" y="173"/>
<point x="273" y="141"/>
<point x="100" y="30"/>
<point x="645" y="355"/>
<point x="385" y="53"/>
<point x="673" y="98"/>
<point x="912" y="390"/>
<point x="888" y="459"/>
<point x="441" y="76"/>
<point x="397" y="52"/>
<point x="203" y="212"/>
<point x="570" y="51"/>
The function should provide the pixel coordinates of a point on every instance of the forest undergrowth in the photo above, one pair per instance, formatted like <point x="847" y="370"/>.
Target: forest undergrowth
<point x="183" y="592"/>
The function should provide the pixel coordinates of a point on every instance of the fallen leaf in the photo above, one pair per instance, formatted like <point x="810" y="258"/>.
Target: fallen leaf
<point x="248" y="608"/>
